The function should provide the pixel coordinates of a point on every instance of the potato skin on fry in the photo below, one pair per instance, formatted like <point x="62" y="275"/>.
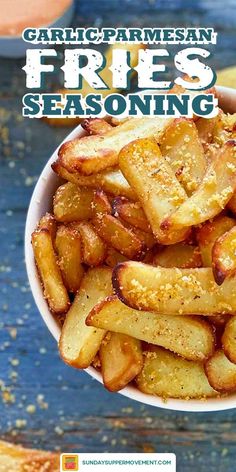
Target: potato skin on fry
<point x="224" y="256"/>
<point x="229" y="339"/>
<point x="221" y="373"/>
<point x="72" y="203"/>
<point x="167" y="375"/>
<point x="97" y="126"/>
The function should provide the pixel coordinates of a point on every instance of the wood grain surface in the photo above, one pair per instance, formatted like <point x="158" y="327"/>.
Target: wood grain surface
<point x="43" y="403"/>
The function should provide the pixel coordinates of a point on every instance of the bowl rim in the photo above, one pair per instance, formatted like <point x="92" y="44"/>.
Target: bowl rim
<point x="35" y="210"/>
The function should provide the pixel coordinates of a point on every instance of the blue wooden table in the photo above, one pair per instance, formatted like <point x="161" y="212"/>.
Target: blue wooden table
<point x="44" y="403"/>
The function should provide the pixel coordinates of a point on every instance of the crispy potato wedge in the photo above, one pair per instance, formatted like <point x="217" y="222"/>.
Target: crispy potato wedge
<point x="101" y="203"/>
<point x="50" y="274"/>
<point x="121" y="360"/>
<point x="111" y="181"/>
<point x="18" y="459"/>
<point x="172" y="290"/>
<point x="182" y="148"/>
<point x="212" y="195"/>
<point x="91" y="154"/>
<point x="185" y="335"/>
<point x="229" y="339"/>
<point x="72" y="203"/>
<point x="205" y="128"/>
<point x="167" y="375"/>
<point x="69" y="250"/>
<point x="118" y="236"/>
<point x="209" y="232"/>
<point x="130" y="212"/>
<point x="79" y="343"/>
<point x="178" y="255"/>
<point x="48" y="222"/>
<point x="224" y="256"/>
<point x="221" y="373"/>
<point x="113" y="257"/>
<point x="154" y="182"/>
<point x="93" y="247"/>
<point x="97" y="126"/>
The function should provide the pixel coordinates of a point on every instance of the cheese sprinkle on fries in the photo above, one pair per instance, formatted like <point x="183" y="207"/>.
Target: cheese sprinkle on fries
<point x="137" y="259"/>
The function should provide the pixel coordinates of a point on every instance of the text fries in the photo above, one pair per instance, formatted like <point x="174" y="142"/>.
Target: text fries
<point x="72" y="203"/>
<point x="79" y="343"/>
<point x="221" y="373"/>
<point x="121" y="360"/>
<point x="68" y="247"/>
<point x="224" y="256"/>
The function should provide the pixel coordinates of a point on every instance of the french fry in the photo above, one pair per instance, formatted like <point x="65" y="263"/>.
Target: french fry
<point x="212" y="195"/>
<point x="173" y="290"/>
<point x="148" y="239"/>
<point x="68" y="247"/>
<point x="167" y="375"/>
<point x="205" y="128"/>
<point x="111" y="181"/>
<point x="100" y="203"/>
<point x="118" y="236"/>
<point x="178" y="255"/>
<point x="155" y="184"/>
<point x="18" y="459"/>
<point x="131" y="212"/>
<point x="72" y="203"/>
<point x="91" y="154"/>
<point x="97" y="126"/>
<point x="221" y="373"/>
<point x="229" y="339"/>
<point x="182" y="148"/>
<point x="47" y="264"/>
<point x="224" y="128"/>
<point x="93" y="248"/>
<point x="114" y="257"/>
<point x="185" y="335"/>
<point x="224" y="256"/>
<point x="48" y="222"/>
<point x="209" y="232"/>
<point x="121" y="360"/>
<point x="79" y="343"/>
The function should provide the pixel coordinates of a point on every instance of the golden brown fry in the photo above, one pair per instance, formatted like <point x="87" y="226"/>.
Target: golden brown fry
<point x="79" y="343"/>
<point x="205" y="128"/>
<point x="131" y="212"/>
<point x="185" y="335"/>
<point x="46" y="261"/>
<point x="91" y="154"/>
<point x="101" y="203"/>
<point x="68" y="247"/>
<point x="48" y="222"/>
<point x="72" y="203"/>
<point x="221" y="373"/>
<point x="168" y="375"/>
<point x="229" y="339"/>
<point x="181" y="147"/>
<point x="93" y="248"/>
<point x="178" y="255"/>
<point x="121" y="360"/>
<point x="18" y="459"/>
<point x="111" y="181"/>
<point x="224" y="256"/>
<point x="114" y="257"/>
<point x="212" y="195"/>
<point x="154" y="182"/>
<point x="97" y="126"/>
<point x="209" y="232"/>
<point x="172" y="290"/>
<point x="118" y="236"/>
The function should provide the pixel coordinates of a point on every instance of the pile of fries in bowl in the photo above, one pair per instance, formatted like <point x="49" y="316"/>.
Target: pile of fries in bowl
<point x="137" y="257"/>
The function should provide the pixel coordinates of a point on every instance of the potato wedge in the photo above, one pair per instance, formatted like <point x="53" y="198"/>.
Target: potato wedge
<point x="69" y="250"/>
<point x="185" y="335"/>
<point x="205" y="128"/>
<point x="114" y="257"/>
<point x="221" y="373"/>
<point x="93" y="248"/>
<point x="131" y="212"/>
<point x="118" y="236"/>
<point x="154" y="182"/>
<point x="178" y="255"/>
<point x="212" y="195"/>
<point x="48" y="222"/>
<point x="209" y="232"/>
<point x="111" y="181"/>
<point x="91" y="154"/>
<point x="121" y="360"/>
<point x="97" y="126"/>
<point x="168" y="375"/>
<point x="182" y="148"/>
<point x="100" y="203"/>
<point x="224" y="256"/>
<point x="47" y="264"/>
<point x="172" y="290"/>
<point x="79" y="343"/>
<point x="229" y="339"/>
<point x="72" y="203"/>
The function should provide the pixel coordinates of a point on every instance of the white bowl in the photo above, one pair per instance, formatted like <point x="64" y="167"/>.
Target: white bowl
<point x="40" y="203"/>
<point x="15" y="47"/>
